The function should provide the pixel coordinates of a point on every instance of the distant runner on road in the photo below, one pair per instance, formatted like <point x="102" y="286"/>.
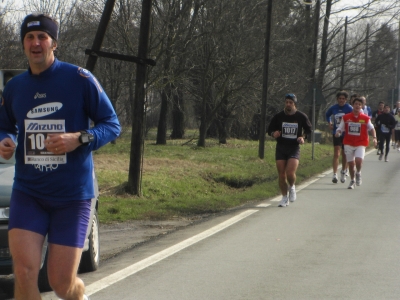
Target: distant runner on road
<point x="355" y="125"/>
<point x="288" y="128"/>
<point x="333" y="116"/>
<point x="385" y="124"/>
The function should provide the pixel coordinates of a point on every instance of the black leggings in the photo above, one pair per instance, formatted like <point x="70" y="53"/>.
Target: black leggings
<point x="382" y="138"/>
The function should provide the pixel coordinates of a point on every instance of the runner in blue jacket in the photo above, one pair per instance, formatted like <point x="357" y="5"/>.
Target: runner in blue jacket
<point x="333" y="116"/>
<point x="45" y="117"/>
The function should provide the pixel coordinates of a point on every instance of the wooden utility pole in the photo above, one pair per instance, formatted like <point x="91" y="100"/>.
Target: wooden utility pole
<point x="137" y="138"/>
<point x="343" y="56"/>
<point x="324" y="45"/>
<point x="265" y="82"/>
<point x="315" y="42"/>
<point x="310" y="103"/>
<point x="366" y="61"/>
<point x="101" y="31"/>
<point x="398" y="68"/>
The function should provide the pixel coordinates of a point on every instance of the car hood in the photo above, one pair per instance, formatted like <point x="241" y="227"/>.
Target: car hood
<point x="6" y="182"/>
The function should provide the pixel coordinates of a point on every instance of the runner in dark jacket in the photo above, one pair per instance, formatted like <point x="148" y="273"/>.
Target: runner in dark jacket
<point x="385" y="123"/>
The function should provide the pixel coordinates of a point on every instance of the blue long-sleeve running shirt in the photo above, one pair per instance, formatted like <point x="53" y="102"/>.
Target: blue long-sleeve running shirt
<point x="64" y="98"/>
<point x="337" y="112"/>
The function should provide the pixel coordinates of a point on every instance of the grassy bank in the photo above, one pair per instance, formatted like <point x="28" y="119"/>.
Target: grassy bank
<point x="181" y="179"/>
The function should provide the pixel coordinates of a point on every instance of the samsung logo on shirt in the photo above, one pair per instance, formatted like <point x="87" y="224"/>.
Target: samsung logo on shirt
<point x="44" y="110"/>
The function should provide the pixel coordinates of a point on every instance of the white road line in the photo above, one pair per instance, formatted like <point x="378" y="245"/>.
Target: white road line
<point x="306" y="184"/>
<point x="263" y="205"/>
<point x="132" y="269"/>
<point x="299" y="187"/>
<point x="276" y="199"/>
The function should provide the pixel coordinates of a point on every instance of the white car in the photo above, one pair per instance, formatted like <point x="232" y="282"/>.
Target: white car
<point x="91" y="253"/>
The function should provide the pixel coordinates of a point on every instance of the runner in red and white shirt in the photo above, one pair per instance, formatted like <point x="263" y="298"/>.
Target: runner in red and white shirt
<point x="356" y="126"/>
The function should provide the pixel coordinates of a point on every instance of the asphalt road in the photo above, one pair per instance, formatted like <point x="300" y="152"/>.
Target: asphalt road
<point x="332" y="243"/>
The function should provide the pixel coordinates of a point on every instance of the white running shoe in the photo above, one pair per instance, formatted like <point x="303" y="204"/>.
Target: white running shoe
<point x="334" y="178"/>
<point x="343" y="176"/>
<point x="292" y="194"/>
<point x="380" y="156"/>
<point x="284" y="202"/>
<point x="386" y="159"/>
<point x="358" y="179"/>
<point x="351" y="185"/>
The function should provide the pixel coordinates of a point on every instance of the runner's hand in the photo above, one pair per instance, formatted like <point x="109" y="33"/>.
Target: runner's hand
<point x="276" y="134"/>
<point x="60" y="143"/>
<point x="7" y="148"/>
<point x="375" y="142"/>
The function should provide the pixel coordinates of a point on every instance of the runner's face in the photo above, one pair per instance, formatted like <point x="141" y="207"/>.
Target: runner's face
<point x="341" y="100"/>
<point x="357" y="105"/>
<point x="289" y="105"/>
<point x="38" y="48"/>
<point x="387" y="109"/>
<point x="381" y="106"/>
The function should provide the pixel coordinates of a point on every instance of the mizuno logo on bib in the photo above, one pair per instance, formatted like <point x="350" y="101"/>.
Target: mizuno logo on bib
<point x="36" y="132"/>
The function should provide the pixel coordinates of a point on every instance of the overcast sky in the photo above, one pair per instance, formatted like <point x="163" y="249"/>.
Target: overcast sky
<point x="337" y="4"/>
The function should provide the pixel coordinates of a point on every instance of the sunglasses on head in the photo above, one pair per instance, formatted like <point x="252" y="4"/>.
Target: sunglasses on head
<point x="290" y="96"/>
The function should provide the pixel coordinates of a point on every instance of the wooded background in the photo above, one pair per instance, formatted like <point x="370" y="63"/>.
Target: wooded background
<point x="210" y="55"/>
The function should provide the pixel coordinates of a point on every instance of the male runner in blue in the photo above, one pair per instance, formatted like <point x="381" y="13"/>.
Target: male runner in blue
<point x="45" y="117"/>
<point x="333" y="116"/>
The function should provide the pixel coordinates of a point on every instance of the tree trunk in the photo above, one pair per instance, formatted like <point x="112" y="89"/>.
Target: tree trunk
<point x="222" y="132"/>
<point x="178" y="116"/>
<point x="202" y="132"/>
<point x="203" y="124"/>
<point x="162" y="121"/>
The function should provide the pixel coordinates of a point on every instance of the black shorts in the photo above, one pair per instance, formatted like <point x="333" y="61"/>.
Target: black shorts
<point x="338" y="141"/>
<point x="284" y="152"/>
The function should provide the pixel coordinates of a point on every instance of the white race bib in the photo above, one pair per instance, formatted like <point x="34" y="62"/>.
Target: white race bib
<point x="354" y="128"/>
<point x="384" y="128"/>
<point x="35" y="135"/>
<point x="289" y="130"/>
<point x="338" y="118"/>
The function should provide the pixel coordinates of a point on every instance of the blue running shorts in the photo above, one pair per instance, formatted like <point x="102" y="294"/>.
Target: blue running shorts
<point x="65" y="222"/>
